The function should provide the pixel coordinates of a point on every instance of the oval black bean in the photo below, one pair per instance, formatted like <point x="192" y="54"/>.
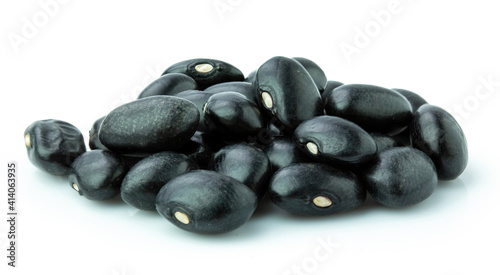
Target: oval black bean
<point x="246" y="164"/>
<point x="374" y="108"/>
<point x="52" y="145"/>
<point x="232" y="116"/>
<point x="314" y="189"/>
<point x="149" y="125"/>
<point x="143" y="182"/>
<point x="97" y="174"/>
<point x="206" y="202"/>
<point x="287" y="92"/>
<point x="400" y="177"/>
<point x="315" y="71"/>
<point x="334" y="140"/>
<point x="435" y="132"/>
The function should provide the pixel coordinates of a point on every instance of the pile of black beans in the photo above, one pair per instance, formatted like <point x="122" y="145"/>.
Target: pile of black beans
<point x="203" y="145"/>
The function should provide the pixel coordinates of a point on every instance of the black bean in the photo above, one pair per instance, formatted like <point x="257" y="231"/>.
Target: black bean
<point x="287" y="92"/>
<point x="435" y="132"/>
<point x="246" y="164"/>
<point x="374" y="108"/>
<point x="206" y="202"/>
<point x="415" y="100"/>
<point x="97" y="174"/>
<point x="169" y="84"/>
<point x="314" y="71"/>
<point x="52" y="145"/>
<point x="334" y="140"/>
<point x="283" y="151"/>
<point x="400" y="177"/>
<point x="94" y="142"/>
<point x="143" y="182"/>
<point x="232" y="116"/>
<point x="243" y="88"/>
<point x="149" y="125"/>
<point x="207" y="72"/>
<point x="315" y="189"/>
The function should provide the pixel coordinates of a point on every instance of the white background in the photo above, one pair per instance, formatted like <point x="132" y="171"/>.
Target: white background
<point x="90" y="56"/>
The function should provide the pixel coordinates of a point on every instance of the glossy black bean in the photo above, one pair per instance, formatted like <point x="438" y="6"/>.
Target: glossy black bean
<point x="169" y="84"/>
<point x="283" y="151"/>
<point x="374" y="108"/>
<point x="246" y="164"/>
<point x="315" y="189"/>
<point x="143" y="182"/>
<point x="149" y="125"/>
<point x="97" y="174"/>
<point x="287" y="92"/>
<point x="315" y="71"/>
<point x="206" y="202"/>
<point x="334" y="140"/>
<point x="207" y="72"/>
<point x="94" y="142"/>
<point x="415" y="100"/>
<point x="435" y="132"/>
<point x="243" y="88"/>
<point x="330" y="86"/>
<point x="232" y="116"/>
<point x="52" y="145"/>
<point x="384" y="142"/>
<point x="400" y="177"/>
<point x="198" y="98"/>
